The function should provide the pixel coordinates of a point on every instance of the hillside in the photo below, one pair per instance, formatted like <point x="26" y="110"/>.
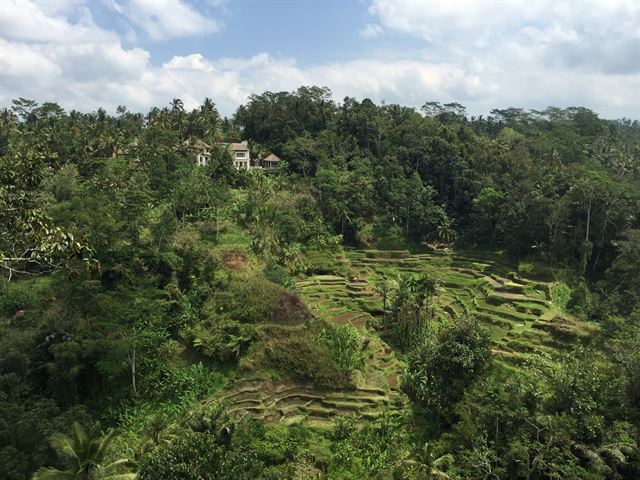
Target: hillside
<point x="407" y="294"/>
<point x="527" y="326"/>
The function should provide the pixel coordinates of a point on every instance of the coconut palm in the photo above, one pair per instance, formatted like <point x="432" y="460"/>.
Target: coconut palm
<point x="446" y="232"/>
<point x="429" y="466"/>
<point x="159" y="432"/>
<point x="85" y="451"/>
<point x="384" y="287"/>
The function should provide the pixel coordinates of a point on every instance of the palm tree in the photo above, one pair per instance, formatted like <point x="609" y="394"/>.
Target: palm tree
<point x="445" y="231"/>
<point x="384" y="287"/>
<point x="85" y="451"/>
<point x="423" y="288"/>
<point x="160" y="432"/>
<point x="429" y="466"/>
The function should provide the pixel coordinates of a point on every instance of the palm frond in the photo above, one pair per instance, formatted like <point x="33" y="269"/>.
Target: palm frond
<point x="47" y="473"/>
<point x="64" y="445"/>
<point x="121" y="476"/>
<point x="444" y="460"/>
<point x="123" y="462"/>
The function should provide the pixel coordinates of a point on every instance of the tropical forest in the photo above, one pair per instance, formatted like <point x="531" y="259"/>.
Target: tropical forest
<point x="405" y="293"/>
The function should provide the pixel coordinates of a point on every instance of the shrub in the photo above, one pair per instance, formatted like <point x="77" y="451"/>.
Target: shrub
<point x="257" y="300"/>
<point x="186" y="383"/>
<point x="277" y="274"/>
<point x="580" y="302"/>
<point x="305" y="360"/>
<point x="370" y="450"/>
<point x="16" y="296"/>
<point x="536" y="270"/>
<point x="273" y="445"/>
<point x="560" y="295"/>
<point x="345" y="344"/>
<point x="525" y="268"/>
<point x="222" y="340"/>
<point x="192" y="456"/>
<point x="441" y="369"/>
<point x="389" y="235"/>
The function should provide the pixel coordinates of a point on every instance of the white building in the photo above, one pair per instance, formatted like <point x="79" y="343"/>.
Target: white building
<point x="203" y="153"/>
<point x="240" y="155"/>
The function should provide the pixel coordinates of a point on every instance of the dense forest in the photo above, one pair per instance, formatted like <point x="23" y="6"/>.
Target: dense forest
<point x="137" y="288"/>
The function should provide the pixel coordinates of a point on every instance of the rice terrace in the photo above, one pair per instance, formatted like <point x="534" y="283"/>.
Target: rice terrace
<point x="522" y="311"/>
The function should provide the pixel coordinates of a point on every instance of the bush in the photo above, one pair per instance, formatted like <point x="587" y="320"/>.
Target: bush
<point x="370" y="450"/>
<point x="186" y="383"/>
<point x="277" y="274"/>
<point x="273" y="445"/>
<point x="193" y="456"/>
<point x="536" y="271"/>
<point x="222" y="340"/>
<point x="441" y="369"/>
<point x="389" y="235"/>
<point x="257" y="300"/>
<point x="16" y="296"/>
<point x="305" y="360"/>
<point x="580" y="302"/>
<point x="345" y="344"/>
<point x="560" y="295"/>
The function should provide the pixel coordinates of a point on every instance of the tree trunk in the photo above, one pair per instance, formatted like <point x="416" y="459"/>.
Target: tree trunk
<point x="604" y="230"/>
<point x="217" y="224"/>
<point x="133" y="372"/>
<point x="585" y="260"/>
<point x="132" y="364"/>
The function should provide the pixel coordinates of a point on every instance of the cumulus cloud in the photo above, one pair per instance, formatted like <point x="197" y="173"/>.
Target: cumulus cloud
<point x="599" y="35"/>
<point x="506" y="63"/>
<point x="48" y="22"/>
<point x="533" y="53"/>
<point x="371" y="30"/>
<point x="166" y="19"/>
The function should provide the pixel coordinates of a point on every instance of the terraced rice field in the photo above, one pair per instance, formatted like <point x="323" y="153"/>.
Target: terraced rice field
<point x="519" y="312"/>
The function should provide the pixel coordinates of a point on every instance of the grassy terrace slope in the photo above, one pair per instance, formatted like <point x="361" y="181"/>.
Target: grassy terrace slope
<point x="519" y="311"/>
<point x="525" y="325"/>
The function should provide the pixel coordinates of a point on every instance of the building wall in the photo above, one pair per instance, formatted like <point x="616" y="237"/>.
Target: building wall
<point x="241" y="159"/>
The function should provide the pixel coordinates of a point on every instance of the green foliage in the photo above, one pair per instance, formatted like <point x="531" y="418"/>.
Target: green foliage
<point x="345" y="344"/>
<point x="273" y="445"/>
<point x="124" y="341"/>
<point x="580" y="302"/>
<point x="222" y="340"/>
<point x="84" y="452"/>
<point x="621" y="280"/>
<point x="524" y="424"/>
<point x="16" y="296"/>
<point x="193" y="456"/>
<point x="411" y="308"/>
<point x="373" y="449"/>
<point x="190" y="382"/>
<point x="561" y="295"/>
<point x="303" y="358"/>
<point x="29" y="240"/>
<point x="257" y="300"/>
<point x="440" y="369"/>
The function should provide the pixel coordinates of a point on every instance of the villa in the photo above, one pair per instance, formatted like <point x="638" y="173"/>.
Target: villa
<point x="240" y="156"/>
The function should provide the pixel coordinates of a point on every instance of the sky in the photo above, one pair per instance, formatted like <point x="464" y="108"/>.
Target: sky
<point x="484" y="54"/>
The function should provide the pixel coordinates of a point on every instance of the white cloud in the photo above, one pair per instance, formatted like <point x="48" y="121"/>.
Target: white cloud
<point x="48" y="22"/>
<point x="599" y="35"/>
<point x="371" y="30"/>
<point x="483" y="68"/>
<point x="166" y="19"/>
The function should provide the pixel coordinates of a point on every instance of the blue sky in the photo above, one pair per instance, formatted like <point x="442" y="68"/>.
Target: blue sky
<point x="485" y="54"/>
